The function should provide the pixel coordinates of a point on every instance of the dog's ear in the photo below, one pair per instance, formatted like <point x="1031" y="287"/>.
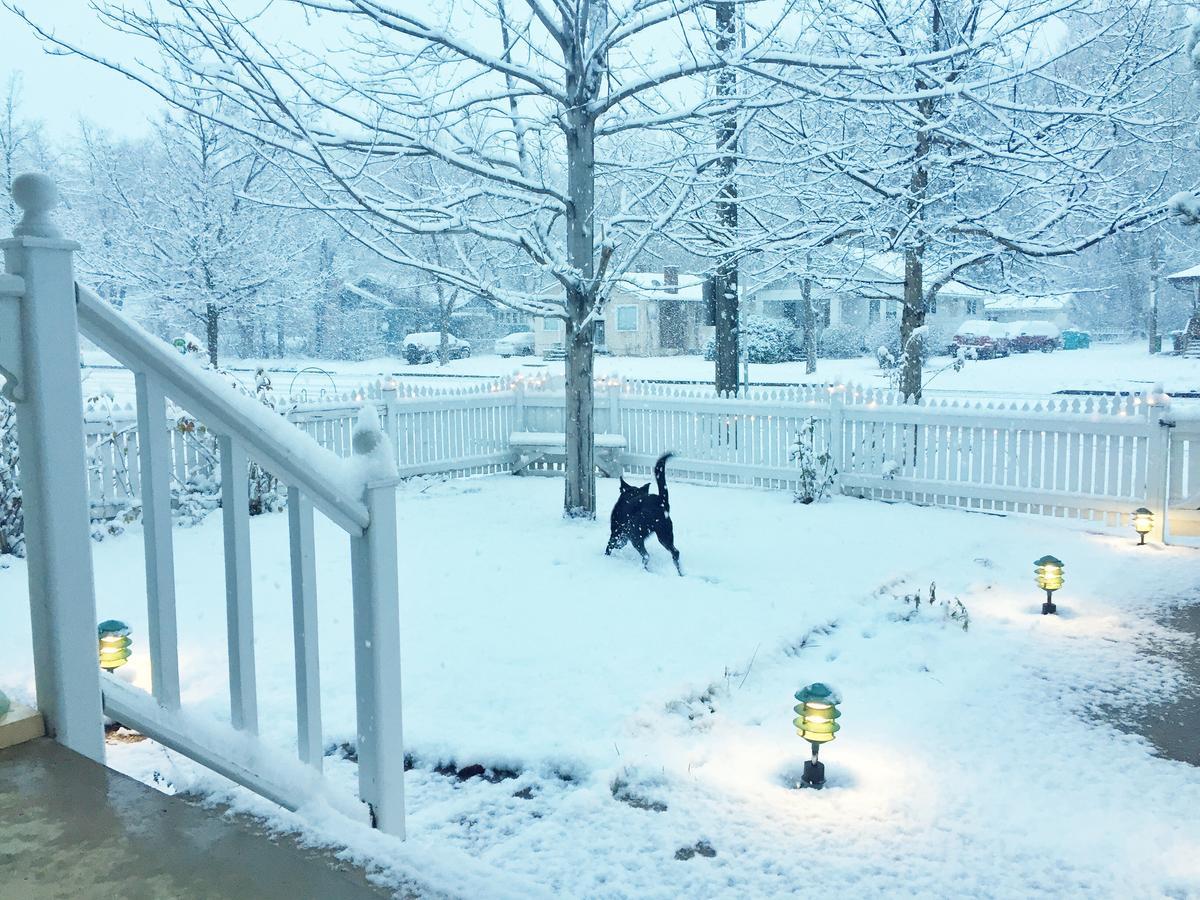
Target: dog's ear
<point x="625" y="486"/>
<point x="644" y="489"/>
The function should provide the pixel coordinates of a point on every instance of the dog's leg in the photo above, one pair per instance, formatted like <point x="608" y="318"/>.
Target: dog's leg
<point x="665" y="532"/>
<point x="639" y="544"/>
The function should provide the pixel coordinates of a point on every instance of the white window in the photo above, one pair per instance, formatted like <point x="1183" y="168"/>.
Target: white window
<point x="627" y="318"/>
<point x="549" y="324"/>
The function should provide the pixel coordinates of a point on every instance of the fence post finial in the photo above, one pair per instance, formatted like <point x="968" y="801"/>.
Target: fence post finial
<point x="36" y="194"/>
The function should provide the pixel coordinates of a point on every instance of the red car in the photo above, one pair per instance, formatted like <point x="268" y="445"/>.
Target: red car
<point x="984" y="340"/>
<point x="1025" y="337"/>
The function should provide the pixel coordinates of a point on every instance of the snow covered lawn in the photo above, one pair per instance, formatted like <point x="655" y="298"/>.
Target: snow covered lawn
<point x="1114" y="367"/>
<point x="644" y="714"/>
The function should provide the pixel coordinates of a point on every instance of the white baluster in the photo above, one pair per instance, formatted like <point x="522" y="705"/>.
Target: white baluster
<point x="154" y="450"/>
<point x="239" y="604"/>
<point x="304" y="627"/>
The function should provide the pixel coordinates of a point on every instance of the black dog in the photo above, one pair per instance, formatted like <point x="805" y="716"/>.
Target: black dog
<point x="637" y="512"/>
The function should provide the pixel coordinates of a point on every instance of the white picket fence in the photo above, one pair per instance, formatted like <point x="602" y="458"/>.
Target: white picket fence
<point x="1095" y="458"/>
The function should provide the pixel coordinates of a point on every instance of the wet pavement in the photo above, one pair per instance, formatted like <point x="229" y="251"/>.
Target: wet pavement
<point x="1174" y="729"/>
<point x="70" y="828"/>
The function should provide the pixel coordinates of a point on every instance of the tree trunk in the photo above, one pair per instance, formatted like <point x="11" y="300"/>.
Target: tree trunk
<point x="912" y="351"/>
<point x="331" y="300"/>
<point x="443" y="334"/>
<point x="579" y="490"/>
<point x="579" y="496"/>
<point x="1152" y="312"/>
<point x="211" y="333"/>
<point x="727" y="350"/>
<point x="809" y="317"/>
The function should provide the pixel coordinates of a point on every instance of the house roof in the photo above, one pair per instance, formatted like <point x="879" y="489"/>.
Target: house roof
<point x="885" y="273"/>
<point x="1014" y="302"/>
<point x="366" y="296"/>
<point x="650" y="286"/>
<point x="873" y="275"/>
<point x="1186" y="275"/>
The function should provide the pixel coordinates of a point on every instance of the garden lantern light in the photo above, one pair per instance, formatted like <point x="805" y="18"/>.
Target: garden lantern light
<point x="1143" y="523"/>
<point x="114" y="644"/>
<point x="1049" y="571"/>
<point x="816" y="721"/>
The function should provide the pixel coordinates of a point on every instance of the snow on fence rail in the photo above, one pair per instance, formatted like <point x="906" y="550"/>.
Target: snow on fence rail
<point x="1091" y="457"/>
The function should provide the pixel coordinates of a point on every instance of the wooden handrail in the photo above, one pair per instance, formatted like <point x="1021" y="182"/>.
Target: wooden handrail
<point x="273" y="442"/>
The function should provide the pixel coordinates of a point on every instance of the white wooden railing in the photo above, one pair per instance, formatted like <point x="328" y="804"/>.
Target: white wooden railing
<point x="42" y="314"/>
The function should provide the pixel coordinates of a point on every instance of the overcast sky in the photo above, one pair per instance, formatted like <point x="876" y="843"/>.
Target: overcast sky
<point x="58" y="90"/>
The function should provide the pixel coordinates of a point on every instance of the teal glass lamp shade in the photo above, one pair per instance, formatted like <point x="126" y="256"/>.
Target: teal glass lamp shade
<point x="817" y="713"/>
<point x="114" y="644"/>
<point x="1049" y="571"/>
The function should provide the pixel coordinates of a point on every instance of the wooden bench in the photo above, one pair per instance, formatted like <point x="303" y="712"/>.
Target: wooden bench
<point x="530" y="447"/>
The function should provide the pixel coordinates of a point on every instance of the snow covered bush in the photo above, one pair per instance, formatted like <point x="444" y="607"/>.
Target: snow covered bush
<point x="815" y="478"/>
<point x="883" y="341"/>
<point x="12" y="521"/>
<point x="953" y="611"/>
<point x="840" y="342"/>
<point x="763" y="340"/>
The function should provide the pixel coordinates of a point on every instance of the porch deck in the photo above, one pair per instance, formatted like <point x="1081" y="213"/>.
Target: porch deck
<point x="72" y="828"/>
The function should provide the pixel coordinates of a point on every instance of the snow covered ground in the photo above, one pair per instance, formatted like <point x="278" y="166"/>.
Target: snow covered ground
<point x="1119" y="367"/>
<point x="643" y="714"/>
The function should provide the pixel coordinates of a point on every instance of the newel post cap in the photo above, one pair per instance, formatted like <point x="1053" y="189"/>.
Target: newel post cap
<point x="36" y="194"/>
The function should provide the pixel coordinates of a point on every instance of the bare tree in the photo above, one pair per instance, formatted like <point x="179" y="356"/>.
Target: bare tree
<point x="537" y="117"/>
<point x="1020" y="147"/>
<point x="176" y="232"/>
<point x="20" y="142"/>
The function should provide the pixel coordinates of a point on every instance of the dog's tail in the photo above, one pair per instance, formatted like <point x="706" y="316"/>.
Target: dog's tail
<point x="660" y="476"/>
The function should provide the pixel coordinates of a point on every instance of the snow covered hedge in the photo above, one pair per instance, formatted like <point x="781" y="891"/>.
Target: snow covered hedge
<point x="763" y="340"/>
<point x="882" y="340"/>
<point x="841" y="342"/>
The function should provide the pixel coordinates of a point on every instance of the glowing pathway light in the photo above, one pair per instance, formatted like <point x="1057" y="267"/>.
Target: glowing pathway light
<point x="816" y="721"/>
<point x="1143" y="524"/>
<point x="114" y="644"/>
<point x="1049" y="571"/>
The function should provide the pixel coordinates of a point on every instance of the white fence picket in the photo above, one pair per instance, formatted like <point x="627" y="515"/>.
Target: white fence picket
<point x="1086" y="459"/>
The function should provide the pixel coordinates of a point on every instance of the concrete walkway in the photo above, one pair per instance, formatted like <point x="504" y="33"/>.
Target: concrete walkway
<point x="72" y="829"/>
<point x="1175" y="728"/>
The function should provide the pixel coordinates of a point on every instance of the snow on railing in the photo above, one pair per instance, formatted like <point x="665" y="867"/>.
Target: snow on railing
<point x="43" y="312"/>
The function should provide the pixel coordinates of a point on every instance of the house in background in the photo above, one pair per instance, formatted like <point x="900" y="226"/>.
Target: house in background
<point x="869" y="288"/>
<point x="647" y="314"/>
<point x="1018" y="308"/>
<point x="480" y="322"/>
<point x="371" y="318"/>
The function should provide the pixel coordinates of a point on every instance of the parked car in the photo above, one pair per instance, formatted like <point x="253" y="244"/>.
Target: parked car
<point x="422" y="347"/>
<point x="1028" y="336"/>
<point x="983" y="339"/>
<point x="1074" y="339"/>
<point x="519" y="344"/>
